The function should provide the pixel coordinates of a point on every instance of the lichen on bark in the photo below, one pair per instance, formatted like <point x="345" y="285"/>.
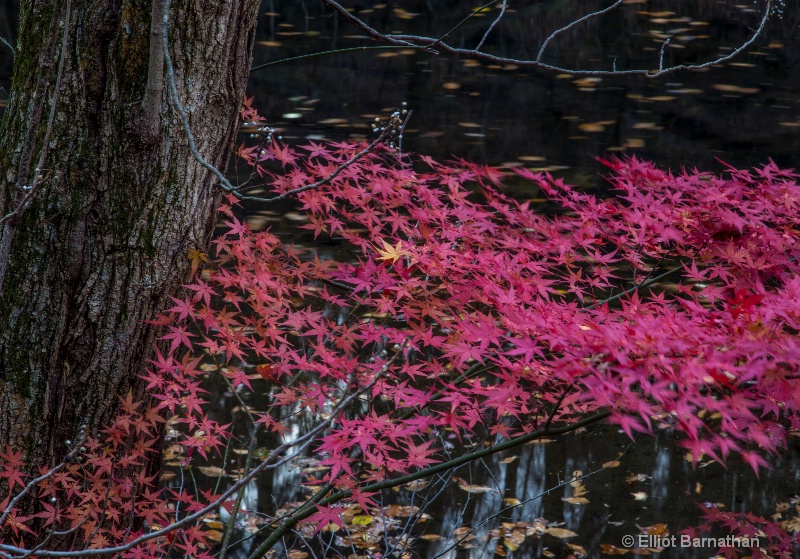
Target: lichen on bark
<point x="104" y="242"/>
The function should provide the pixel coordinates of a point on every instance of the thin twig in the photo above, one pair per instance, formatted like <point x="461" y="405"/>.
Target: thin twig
<point x="495" y="22"/>
<point x="573" y="24"/>
<point x="34" y="184"/>
<point x="44" y="477"/>
<point x="322" y="182"/>
<point x="176" y="103"/>
<point x="9" y="45"/>
<point x="636" y="288"/>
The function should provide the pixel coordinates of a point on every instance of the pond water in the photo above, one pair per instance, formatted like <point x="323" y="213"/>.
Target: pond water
<point x="743" y="112"/>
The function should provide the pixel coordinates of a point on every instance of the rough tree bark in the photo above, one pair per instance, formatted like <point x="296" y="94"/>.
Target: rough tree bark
<point x="120" y="203"/>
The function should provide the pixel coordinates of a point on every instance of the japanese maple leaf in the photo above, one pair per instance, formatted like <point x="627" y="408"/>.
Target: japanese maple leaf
<point x="418" y="454"/>
<point x="743" y="303"/>
<point x="12" y="470"/>
<point x="393" y="253"/>
<point x="324" y="516"/>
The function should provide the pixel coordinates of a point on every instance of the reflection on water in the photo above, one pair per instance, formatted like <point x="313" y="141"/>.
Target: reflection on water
<point x="743" y="112"/>
<point x="497" y="504"/>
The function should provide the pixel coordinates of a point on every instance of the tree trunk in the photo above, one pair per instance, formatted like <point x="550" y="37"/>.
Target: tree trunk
<point x="121" y="202"/>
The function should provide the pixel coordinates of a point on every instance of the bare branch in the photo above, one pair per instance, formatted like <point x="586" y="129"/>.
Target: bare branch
<point x="9" y="45"/>
<point x="573" y="24"/>
<point x="495" y="22"/>
<point x="421" y="40"/>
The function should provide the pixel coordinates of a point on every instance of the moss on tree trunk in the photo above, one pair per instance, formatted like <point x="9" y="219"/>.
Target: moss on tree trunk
<point x="105" y="240"/>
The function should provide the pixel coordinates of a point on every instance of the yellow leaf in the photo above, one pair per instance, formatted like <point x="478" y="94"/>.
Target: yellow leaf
<point x="196" y="257"/>
<point x="639" y="496"/>
<point x="393" y="253"/>
<point x="362" y="520"/>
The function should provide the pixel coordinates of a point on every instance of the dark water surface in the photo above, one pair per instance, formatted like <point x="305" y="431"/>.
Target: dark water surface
<point x="743" y="113"/>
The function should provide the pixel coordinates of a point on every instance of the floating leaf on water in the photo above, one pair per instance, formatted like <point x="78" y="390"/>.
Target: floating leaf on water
<point x="213" y="535"/>
<point x="591" y="127"/>
<point x="211" y="471"/>
<point x="403" y="14"/>
<point x="362" y="520"/>
<point x="297" y="554"/>
<point x="508" y="460"/>
<point x="531" y="158"/>
<point x="579" y="550"/>
<point x="295" y="216"/>
<point x="451" y="85"/>
<point x="609" y="549"/>
<point x="659" y="529"/>
<point x="639" y="496"/>
<point x="560" y="533"/>
<point x="476" y="489"/>
<point x="430" y="537"/>
<point x="511" y="501"/>
<point x="575" y="500"/>
<point x="612" y="464"/>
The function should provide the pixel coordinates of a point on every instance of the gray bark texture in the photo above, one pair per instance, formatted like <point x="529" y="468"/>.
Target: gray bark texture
<point x="121" y="201"/>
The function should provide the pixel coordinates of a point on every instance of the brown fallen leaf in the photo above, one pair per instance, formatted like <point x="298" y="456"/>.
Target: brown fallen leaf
<point x="560" y="533"/>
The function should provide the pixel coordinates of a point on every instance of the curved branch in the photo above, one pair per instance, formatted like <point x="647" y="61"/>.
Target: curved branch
<point x="304" y="512"/>
<point x="425" y="41"/>
<point x="573" y="24"/>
